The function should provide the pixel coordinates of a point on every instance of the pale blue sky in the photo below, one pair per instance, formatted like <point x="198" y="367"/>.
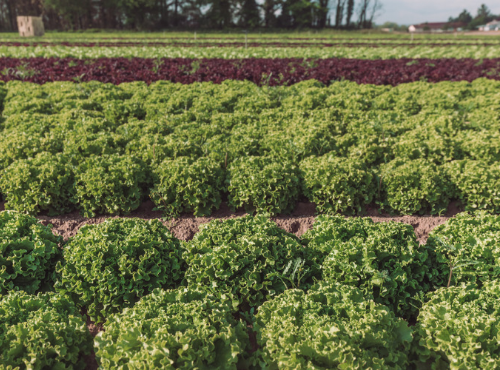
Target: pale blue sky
<point x="419" y="11"/>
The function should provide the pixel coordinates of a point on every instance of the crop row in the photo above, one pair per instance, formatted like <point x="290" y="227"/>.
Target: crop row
<point x="260" y="71"/>
<point x="104" y="148"/>
<point x="245" y="294"/>
<point x="279" y="37"/>
<point x="252" y="44"/>
<point x="360" y="52"/>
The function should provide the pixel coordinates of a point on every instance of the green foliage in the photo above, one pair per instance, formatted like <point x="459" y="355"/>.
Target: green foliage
<point x="174" y="329"/>
<point x="384" y="260"/>
<point x="458" y="329"/>
<point x="43" y="183"/>
<point x="468" y="246"/>
<point x="265" y="184"/>
<point x="437" y="141"/>
<point x="3" y="93"/>
<point x="91" y="137"/>
<point x="482" y="145"/>
<point x="311" y="51"/>
<point x="28" y="253"/>
<point x="337" y="184"/>
<point x="110" y="184"/>
<point x="313" y="133"/>
<point x="242" y="259"/>
<point x="477" y="184"/>
<point x="23" y="144"/>
<point x="109" y="266"/>
<point x="42" y="332"/>
<point x="147" y="140"/>
<point x="330" y="327"/>
<point x="340" y="133"/>
<point x="415" y="186"/>
<point x="187" y="185"/>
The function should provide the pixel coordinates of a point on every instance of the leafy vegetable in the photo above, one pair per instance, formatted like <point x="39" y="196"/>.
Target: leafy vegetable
<point x="436" y="142"/>
<point x="477" y="184"/>
<point x="43" y="183"/>
<point x="42" y="332"/>
<point x="109" y="184"/>
<point x="384" y="260"/>
<point x="354" y="127"/>
<point x="337" y="184"/>
<point x="331" y="326"/>
<point x="243" y="259"/>
<point x="174" y="329"/>
<point x="458" y="328"/>
<point x="416" y="186"/>
<point x="466" y="249"/>
<point x="364" y="64"/>
<point x="28" y="253"/>
<point x="265" y="184"/>
<point x="184" y="185"/>
<point x="109" y="266"/>
<point x="483" y="145"/>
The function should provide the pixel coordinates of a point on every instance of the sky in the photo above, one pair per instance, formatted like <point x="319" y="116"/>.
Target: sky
<point x="419" y="11"/>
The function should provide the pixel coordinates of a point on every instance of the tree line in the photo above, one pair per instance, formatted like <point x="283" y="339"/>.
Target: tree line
<point x="483" y="16"/>
<point x="192" y="14"/>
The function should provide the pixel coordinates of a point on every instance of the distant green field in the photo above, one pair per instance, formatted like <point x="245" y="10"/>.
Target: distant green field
<point x="475" y="52"/>
<point x="326" y="35"/>
<point x="325" y="44"/>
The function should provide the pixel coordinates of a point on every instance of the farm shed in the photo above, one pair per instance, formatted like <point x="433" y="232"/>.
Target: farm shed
<point x="30" y="26"/>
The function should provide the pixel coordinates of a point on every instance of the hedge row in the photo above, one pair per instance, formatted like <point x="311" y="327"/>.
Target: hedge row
<point x="336" y="297"/>
<point x="103" y="148"/>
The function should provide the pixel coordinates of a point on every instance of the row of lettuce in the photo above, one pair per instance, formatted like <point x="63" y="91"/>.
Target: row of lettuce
<point x="95" y="35"/>
<point x="103" y="149"/>
<point x="235" y="44"/>
<point x="245" y="294"/>
<point x="232" y="52"/>
<point x="261" y="71"/>
<point x="145" y="39"/>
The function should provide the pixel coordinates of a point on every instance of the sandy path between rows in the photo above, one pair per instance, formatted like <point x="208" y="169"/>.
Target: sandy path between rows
<point x="185" y="226"/>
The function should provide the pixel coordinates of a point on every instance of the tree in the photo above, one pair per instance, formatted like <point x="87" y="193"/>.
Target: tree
<point x="70" y="12"/>
<point x="269" y="7"/>
<point x="350" y="11"/>
<point x="339" y="15"/>
<point x="302" y="13"/>
<point x="249" y="16"/>
<point x="322" y="11"/>
<point x="6" y="23"/>
<point x="465" y="17"/>
<point x="296" y="13"/>
<point x="376" y="8"/>
<point x="10" y="9"/>
<point x="367" y="13"/>
<point x="362" y="12"/>
<point x="483" y="16"/>
<point x="483" y="11"/>
<point x="219" y="13"/>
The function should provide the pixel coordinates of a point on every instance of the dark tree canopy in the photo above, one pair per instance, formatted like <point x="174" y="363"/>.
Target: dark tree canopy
<point x="187" y="14"/>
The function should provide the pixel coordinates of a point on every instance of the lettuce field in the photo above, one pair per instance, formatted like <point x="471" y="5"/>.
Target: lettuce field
<point x="94" y="127"/>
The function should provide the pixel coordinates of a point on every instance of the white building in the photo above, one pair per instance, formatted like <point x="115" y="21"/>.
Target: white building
<point x="490" y="26"/>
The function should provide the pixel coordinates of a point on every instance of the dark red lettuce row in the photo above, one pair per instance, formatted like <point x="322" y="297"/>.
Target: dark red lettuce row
<point x="252" y="44"/>
<point x="260" y="71"/>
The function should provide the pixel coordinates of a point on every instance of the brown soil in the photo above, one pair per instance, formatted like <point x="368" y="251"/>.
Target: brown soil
<point x="298" y="222"/>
